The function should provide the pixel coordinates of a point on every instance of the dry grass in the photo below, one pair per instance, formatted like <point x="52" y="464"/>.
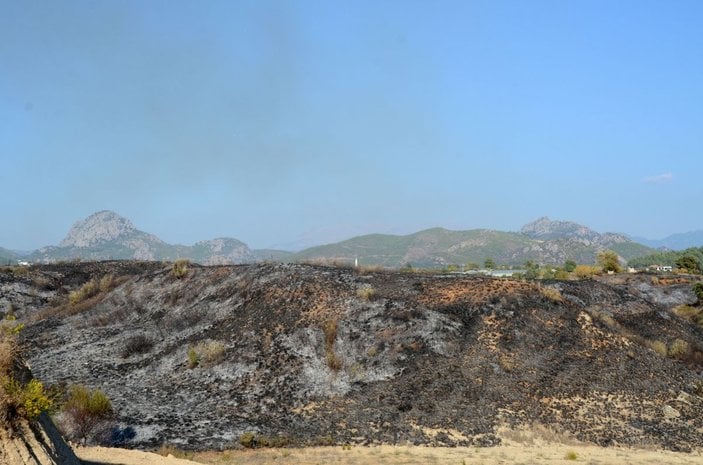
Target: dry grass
<point x="206" y="354"/>
<point x="587" y="271"/>
<point x="334" y="361"/>
<point x="415" y="455"/>
<point x="552" y="294"/>
<point x="692" y="314"/>
<point x="660" y="348"/>
<point x="82" y="299"/>
<point x="366" y="293"/>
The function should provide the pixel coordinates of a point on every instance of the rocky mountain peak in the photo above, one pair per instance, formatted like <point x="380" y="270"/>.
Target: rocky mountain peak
<point x="544" y="228"/>
<point x="99" y="227"/>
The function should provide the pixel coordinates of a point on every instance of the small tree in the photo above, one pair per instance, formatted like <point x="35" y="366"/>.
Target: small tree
<point x="88" y="411"/>
<point x="608" y="261"/>
<point x="489" y="264"/>
<point x="569" y="266"/>
<point x="698" y="290"/>
<point x="532" y="270"/>
<point x="180" y="268"/>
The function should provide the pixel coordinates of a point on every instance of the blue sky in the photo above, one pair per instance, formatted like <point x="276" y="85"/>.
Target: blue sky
<point x="291" y="123"/>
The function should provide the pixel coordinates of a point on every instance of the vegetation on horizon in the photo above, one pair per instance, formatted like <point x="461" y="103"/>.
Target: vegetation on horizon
<point x="689" y="260"/>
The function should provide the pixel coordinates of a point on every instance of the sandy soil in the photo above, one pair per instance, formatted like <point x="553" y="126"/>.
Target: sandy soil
<point x="508" y="454"/>
<point x="115" y="456"/>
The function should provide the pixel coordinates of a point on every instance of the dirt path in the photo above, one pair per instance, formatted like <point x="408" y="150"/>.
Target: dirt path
<point x="115" y="456"/>
<point x="554" y="454"/>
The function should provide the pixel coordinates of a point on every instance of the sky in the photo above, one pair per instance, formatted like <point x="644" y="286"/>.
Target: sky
<point x="291" y="123"/>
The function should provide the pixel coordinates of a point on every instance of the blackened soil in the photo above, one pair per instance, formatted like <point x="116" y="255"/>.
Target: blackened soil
<point x="316" y="355"/>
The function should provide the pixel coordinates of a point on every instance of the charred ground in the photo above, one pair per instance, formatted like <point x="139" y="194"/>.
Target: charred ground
<point x="309" y="354"/>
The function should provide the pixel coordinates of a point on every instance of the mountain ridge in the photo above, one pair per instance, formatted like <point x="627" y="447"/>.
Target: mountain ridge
<point x="105" y="235"/>
<point x="542" y="241"/>
<point x="678" y="241"/>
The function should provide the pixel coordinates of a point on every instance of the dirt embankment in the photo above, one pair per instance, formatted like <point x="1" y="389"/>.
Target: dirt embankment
<point x="315" y="355"/>
<point x="38" y="443"/>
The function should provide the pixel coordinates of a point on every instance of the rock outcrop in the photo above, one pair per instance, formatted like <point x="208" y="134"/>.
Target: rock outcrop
<point x="106" y="235"/>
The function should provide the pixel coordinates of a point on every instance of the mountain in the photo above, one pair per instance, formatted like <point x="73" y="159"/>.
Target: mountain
<point x="107" y="235"/>
<point x="543" y="241"/>
<point x="545" y="229"/>
<point x="678" y="241"/>
<point x="7" y="257"/>
<point x="569" y="234"/>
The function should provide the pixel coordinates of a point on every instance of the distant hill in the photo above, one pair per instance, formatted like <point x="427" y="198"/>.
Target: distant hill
<point x="678" y="241"/>
<point x="106" y="235"/>
<point x="7" y="257"/>
<point x="543" y="241"/>
<point x="667" y="257"/>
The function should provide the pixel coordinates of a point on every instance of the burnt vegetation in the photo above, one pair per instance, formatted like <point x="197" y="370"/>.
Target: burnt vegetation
<point x="316" y="354"/>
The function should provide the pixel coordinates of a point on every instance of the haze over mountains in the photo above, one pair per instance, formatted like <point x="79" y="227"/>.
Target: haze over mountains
<point x="107" y="235"/>
<point x="678" y="241"/>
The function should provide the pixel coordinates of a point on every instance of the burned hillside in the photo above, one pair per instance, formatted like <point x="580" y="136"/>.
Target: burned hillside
<point x="306" y="354"/>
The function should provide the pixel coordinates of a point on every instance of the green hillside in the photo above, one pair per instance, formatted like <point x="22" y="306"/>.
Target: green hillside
<point x="669" y="257"/>
<point x="440" y="247"/>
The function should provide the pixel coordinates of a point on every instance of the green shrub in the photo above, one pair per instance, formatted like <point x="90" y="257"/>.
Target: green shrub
<point x="180" y="268"/>
<point x="248" y="440"/>
<point x="9" y="326"/>
<point x="207" y="353"/>
<point x="19" y="400"/>
<point x="35" y="400"/>
<point x="608" y="261"/>
<point x="698" y="290"/>
<point x="678" y="348"/>
<point x="87" y="410"/>
<point x="571" y="455"/>
<point x="193" y="358"/>
<point x="569" y="266"/>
